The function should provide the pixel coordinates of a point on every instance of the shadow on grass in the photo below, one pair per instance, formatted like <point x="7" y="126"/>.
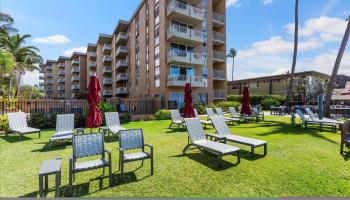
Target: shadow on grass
<point x="56" y="146"/>
<point x="11" y="138"/>
<point x="111" y="138"/>
<point x="209" y="160"/>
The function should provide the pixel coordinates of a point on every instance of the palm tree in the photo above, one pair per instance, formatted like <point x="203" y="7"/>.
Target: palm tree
<point x="7" y="62"/>
<point x="295" y="54"/>
<point x="6" y="23"/>
<point x="26" y="57"/>
<point x="328" y="98"/>
<point x="232" y="54"/>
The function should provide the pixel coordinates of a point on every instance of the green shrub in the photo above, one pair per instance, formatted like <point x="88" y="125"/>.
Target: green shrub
<point x="266" y="101"/>
<point x="51" y="120"/>
<point x="124" y="117"/>
<point x="162" y="115"/>
<point x="225" y="105"/>
<point x="106" y="107"/>
<point x="38" y="120"/>
<point x="272" y="101"/>
<point x="79" y="121"/>
<point x="200" y="107"/>
<point x="4" y="125"/>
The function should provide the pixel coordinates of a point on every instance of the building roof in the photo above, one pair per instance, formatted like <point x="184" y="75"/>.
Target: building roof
<point x="281" y="76"/>
<point x="103" y="38"/>
<point x="342" y="94"/>
<point x="77" y="54"/>
<point x="62" y="58"/>
<point x="91" y="47"/>
<point x="121" y="26"/>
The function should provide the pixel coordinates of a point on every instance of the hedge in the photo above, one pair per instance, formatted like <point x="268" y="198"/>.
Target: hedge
<point x="266" y="101"/>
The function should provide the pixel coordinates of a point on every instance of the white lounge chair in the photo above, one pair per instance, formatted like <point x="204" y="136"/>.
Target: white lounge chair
<point x="203" y="122"/>
<point x="113" y="123"/>
<point x="320" y="123"/>
<point x="18" y="124"/>
<point x="223" y="130"/>
<point x="258" y="114"/>
<point x="314" y="118"/>
<point x="198" y="138"/>
<point x="234" y="114"/>
<point x="221" y="113"/>
<point x="64" y="128"/>
<point x="176" y="119"/>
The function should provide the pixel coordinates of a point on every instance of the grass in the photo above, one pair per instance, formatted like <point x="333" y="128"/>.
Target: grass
<point x="299" y="163"/>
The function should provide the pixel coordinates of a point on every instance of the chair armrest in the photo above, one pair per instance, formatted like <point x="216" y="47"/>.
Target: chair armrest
<point x="150" y="146"/>
<point x="109" y="154"/>
<point x="120" y="149"/>
<point x="216" y="136"/>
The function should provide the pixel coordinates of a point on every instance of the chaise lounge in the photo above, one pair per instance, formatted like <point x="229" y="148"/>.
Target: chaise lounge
<point x="18" y="124"/>
<point x="176" y="119"/>
<point x="64" y="128"/>
<point x="306" y="122"/>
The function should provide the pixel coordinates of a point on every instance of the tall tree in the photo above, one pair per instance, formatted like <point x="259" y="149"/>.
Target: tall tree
<point x="26" y="58"/>
<point x="6" y="23"/>
<point x="7" y="62"/>
<point x="328" y="98"/>
<point x="232" y="54"/>
<point x="295" y="54"/>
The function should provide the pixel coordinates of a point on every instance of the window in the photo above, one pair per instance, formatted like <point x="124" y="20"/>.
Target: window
<point x="205" y="71"/>
<point x="177" y="100"/>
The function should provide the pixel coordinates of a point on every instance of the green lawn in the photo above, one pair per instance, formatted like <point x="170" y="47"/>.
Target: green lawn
<point x="299" y="163"/>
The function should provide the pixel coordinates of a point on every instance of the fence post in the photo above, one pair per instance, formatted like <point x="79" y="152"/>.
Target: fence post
<point x="2" y="107"/>
<point x="35" y="106"/>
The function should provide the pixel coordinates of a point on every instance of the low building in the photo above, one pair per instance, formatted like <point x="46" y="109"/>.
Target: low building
<point x="342" y="96"/>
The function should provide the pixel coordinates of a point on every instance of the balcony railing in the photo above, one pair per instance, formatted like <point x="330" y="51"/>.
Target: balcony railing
<point x="61" y="80"/>
<point x="182" y="10"/>
<point x="107" y="93"/>
<point x="107" y="81"/>
<point x="121" y="91"/>
<point x="180" y="33"/>
<point x="75" y="87"/>
<point x="49" y="82"/>
<point x="178" y="56"/>
<point x="49" y="75"/>
<point x="75" y="70"/>
<point x="61" y="88"/>
<point x="93" y="65"/>
<point x="219" y="56"/>
<point x="107" y="70"/>
<point x="219" y="18"/>
<point x="41" y="78"/>
<point x="180" y="81"/>
<point x="121" y="51"/>
<point x="49" y="90"/>
<point x="61" y="73"/>
<point x="75" y="79"/>
<point x="219" y="37"/>
<point x="75" y="62"/>
<point x="122" y="77"/>
<point x="61" y="65"/>
<point x="121" y="64"/>
<point x="107" y="59"/>
<point x="219" y="75"/>
<point x="107" y="48"/>
<point x="219" y="94"/>
<point x="49" y="68"/>
<point x="121" y="37"/>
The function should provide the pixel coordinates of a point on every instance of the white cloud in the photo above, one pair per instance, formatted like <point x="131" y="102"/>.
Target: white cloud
<point x="267" y="2"/>
<point x="326" y="28"/>
<point x="54" y="39"/>
<point x="234" y="3"/>
<point x="325" y="62"/>
<point x="69" y="52"/>
<point x="30" y="78"/>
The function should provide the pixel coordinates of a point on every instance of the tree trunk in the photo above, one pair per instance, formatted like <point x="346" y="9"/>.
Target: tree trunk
<point x="295" y="54"/>
<point x="328" y="98"/>
<point x="233" y="66"/>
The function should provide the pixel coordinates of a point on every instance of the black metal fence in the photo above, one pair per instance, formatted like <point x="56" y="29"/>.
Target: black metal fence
<point x="47" y="106"/>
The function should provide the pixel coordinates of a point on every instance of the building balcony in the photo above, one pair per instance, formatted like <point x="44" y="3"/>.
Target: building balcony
<point x="41" y="78"/>
<point x="219" y="56"/>
<point x="75" y="62"/>
<point x="218" y="38"/>
<point x="180" y="81"/>
<point x="121" y="91"/>
<point x="61" y="65"/>
<point x="75" y="70"/>
<point x="219" y="20"/>
<point x="61" y="96"/>
<point x="49" y="75"/>
<point x="75" y="79"/>
<point x="184" y="57"/>
<point x="219" y="75"/>
<point x="121" y="64"/>
<point x="61" y="73"/>
<point x="107" y="48"/>
<point x="184" y="12"/>
<point x="61" y="80"/>
<point x="49" y="82"/>
<point x="122" y="39"/>
<point x="49" y="68"/>
<point x="107" y="93"/>
<point x="219" y="94"/>
<point x="179" y="34"/>
<point x="75" y="87"/>
<point x="122" y="77"/>
<point x="41" y="84"/>
<point x="49" y="90"/>
<point x="121" y="51"/>
<point x="93" y="65"/>
<point x="92" y="55"/>
<point x="107" y="59"/>
<point x="107" y="81"/>
<point x="61" y="89"/>
<point x="107" y="70"/>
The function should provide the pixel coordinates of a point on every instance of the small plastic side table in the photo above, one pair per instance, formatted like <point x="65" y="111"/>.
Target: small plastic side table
<point x="50" y="167"/>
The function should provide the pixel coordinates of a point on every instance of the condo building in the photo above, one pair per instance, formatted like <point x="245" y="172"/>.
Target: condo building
<point x="164" y="45"/>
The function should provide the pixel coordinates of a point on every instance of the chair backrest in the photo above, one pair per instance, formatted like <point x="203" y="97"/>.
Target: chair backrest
<point x="255" y="110"/>
<point x="88" y="145"/>
<point x="175" y="115"/>
<point x="65" y="122"/>
<point x="346" y="127"/>
<point x="220" y="125"/>
<point x="112" y="119"/>
<point x="210" y="112"/>
<point x="233" y="112"/>
<point x="220" y="112"/>
<point x="131" y="139"/>
<point x="310" y="113"/>
<point x="195" y="129"/>
<point x="17" y="120"/>
<point x="301" y="114"/>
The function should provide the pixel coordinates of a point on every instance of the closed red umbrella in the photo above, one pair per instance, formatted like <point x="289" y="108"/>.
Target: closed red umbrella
<point x="94" y="118"/>
<point x="245" y="110"/>
<point x="188" y="110"/>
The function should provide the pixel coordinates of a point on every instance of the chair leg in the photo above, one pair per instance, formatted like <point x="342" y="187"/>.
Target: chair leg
<point x="122" y="168"/>
<point x="265" y="149"/>
<point x="171" y="124"/>
<point x="220" y="161"/>
<point x="39" y="134"/>
<point x="70" y="182"/>
<point x="103" y="172"/>
<point x="252" y="153"/>
<point x="110" y="173"/>
<point x="152" y="165"/>
<point x="341" y="148"/>
<point x="186" y="147"/>
<point x="238" y="157"/>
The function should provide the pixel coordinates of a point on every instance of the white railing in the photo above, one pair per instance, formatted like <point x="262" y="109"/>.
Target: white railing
<point x="107" y="59"/>
<point x="61" y="80"/>
<point x="93" y="64"/>
<point x="219" y="75"/>
<point x="196" y="81"/>
<point x="219" y="55"/>
<point x="107" y="93"/>
<point x="75" y="70"/>
<point x="219" y="36"/>
<point x="61" y="65"/>
<point x="61" y="72"/>
<point x="185" y="9"/>
<point x="75" y="78"/>
<point x="185" y="56"/>
<point x="121" y="90"/>
<point x="75" y="62"/>
<point x="75" y="87"/>
<point x="122" y="77"/>
<point x="107" y="81"/>
<point x="49" y="68"/>
<point x="219" y="17"/>
<point x="107" y="70"/>
<point x="122" y="35"/>
<point x="107" y="47"/>
<point x="219" y="94"/>
<point x="49" y="82"/>
<point x="92" y="53"/>
<point x="122" y="49"/>
<point x="61" y="88"/>
<point x="49" y="75"/>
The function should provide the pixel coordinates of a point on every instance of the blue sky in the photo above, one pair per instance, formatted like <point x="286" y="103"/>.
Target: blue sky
<point x="260" y="29"/>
